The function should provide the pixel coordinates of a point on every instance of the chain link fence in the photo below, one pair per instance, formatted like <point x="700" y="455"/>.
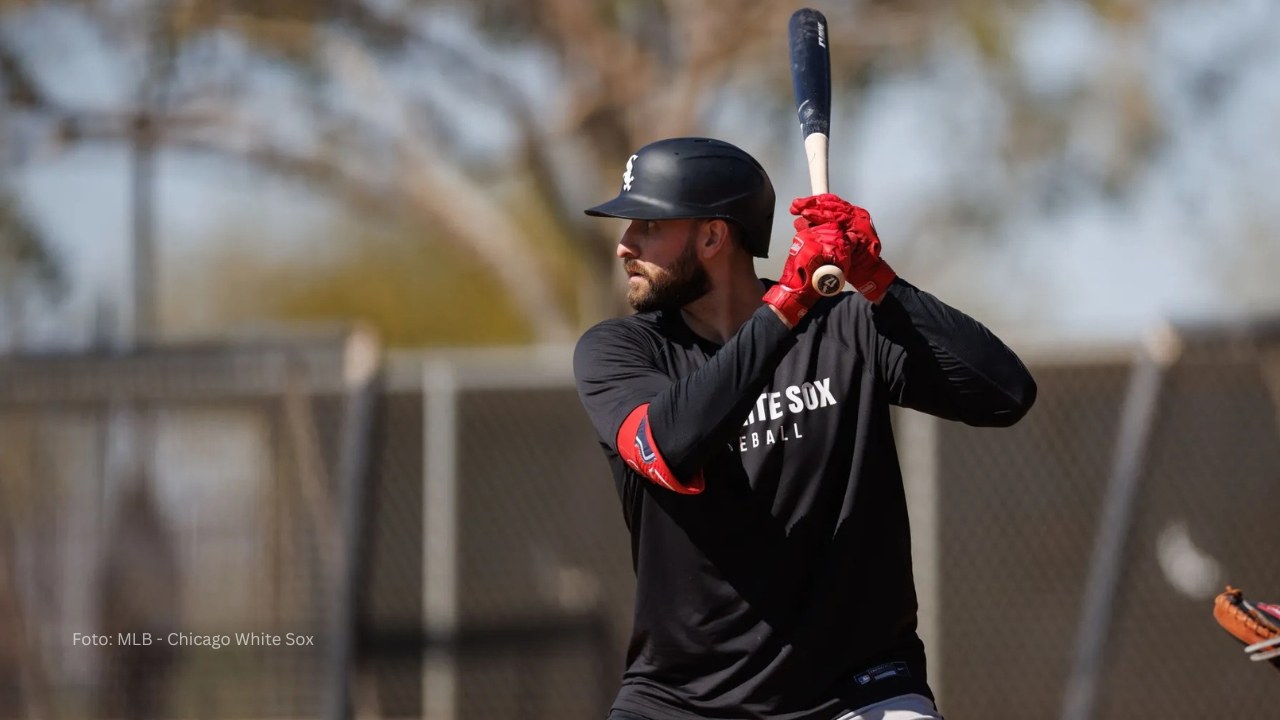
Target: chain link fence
<point x="527" y="594"/>
<point x="169" y="542"/>
<point x="196" y="491"/>
<point x="1002" y="570"/>
<point x="1149" y="520"/>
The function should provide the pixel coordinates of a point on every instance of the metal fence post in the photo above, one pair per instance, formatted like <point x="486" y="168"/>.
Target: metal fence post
<point x="1137" y="419"/>
<point x="440" y="542"/>
<point x="361" y="366"/>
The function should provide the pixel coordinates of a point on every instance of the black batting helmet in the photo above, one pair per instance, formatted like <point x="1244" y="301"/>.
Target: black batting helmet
<point x="696" y="177"/>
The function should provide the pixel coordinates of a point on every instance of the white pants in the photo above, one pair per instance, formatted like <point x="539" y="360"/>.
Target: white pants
<point x="903" y="707"/>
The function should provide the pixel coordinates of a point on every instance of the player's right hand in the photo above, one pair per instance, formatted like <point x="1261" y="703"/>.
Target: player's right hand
<point x="867" y="271"/>
<point x="811" y="248"/>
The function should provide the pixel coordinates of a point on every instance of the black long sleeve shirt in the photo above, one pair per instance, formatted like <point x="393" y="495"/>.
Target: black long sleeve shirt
<point x="784" y="590"/>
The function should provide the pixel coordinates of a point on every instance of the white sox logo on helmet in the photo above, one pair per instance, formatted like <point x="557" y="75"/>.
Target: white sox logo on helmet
<point x="628" y="176"/>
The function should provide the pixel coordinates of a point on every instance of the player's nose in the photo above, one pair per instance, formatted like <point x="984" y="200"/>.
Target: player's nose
<point x="627" y="247"/>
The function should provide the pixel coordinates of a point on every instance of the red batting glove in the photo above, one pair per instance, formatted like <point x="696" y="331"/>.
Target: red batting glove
<point x="824" y="208"/>
<point x="866" y="271"/>
<point x="793" y="295"/>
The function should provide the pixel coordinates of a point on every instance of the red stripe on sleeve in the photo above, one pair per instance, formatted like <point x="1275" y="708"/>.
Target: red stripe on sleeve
<point x="637" y="448"/>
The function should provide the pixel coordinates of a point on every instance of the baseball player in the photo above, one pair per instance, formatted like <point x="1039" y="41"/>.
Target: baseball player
<point x="746" y="423"/>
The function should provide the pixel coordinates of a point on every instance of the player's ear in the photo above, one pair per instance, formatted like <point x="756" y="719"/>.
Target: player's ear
<point x="713" y="238"/>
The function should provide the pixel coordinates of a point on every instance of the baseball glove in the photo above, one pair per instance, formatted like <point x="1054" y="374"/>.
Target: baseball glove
<point x="1257" y="625"/>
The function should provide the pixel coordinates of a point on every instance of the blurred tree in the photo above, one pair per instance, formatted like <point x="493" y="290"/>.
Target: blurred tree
<point x="385" y="273"/>
<point x="371" y="114"/>
<point x="27" y="263"/>
<point x="27" y="267"/>
<point x="487" y="125"/>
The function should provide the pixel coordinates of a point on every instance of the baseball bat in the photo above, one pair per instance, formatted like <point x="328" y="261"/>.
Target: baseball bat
<point x="811" y="80"/>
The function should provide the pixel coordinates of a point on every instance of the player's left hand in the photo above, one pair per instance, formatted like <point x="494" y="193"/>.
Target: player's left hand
<point x="811" y="248"/>
<point x="866" y="270"/>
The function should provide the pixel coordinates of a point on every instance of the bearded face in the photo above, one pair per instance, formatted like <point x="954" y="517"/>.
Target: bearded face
<point x="651" y="287"/>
